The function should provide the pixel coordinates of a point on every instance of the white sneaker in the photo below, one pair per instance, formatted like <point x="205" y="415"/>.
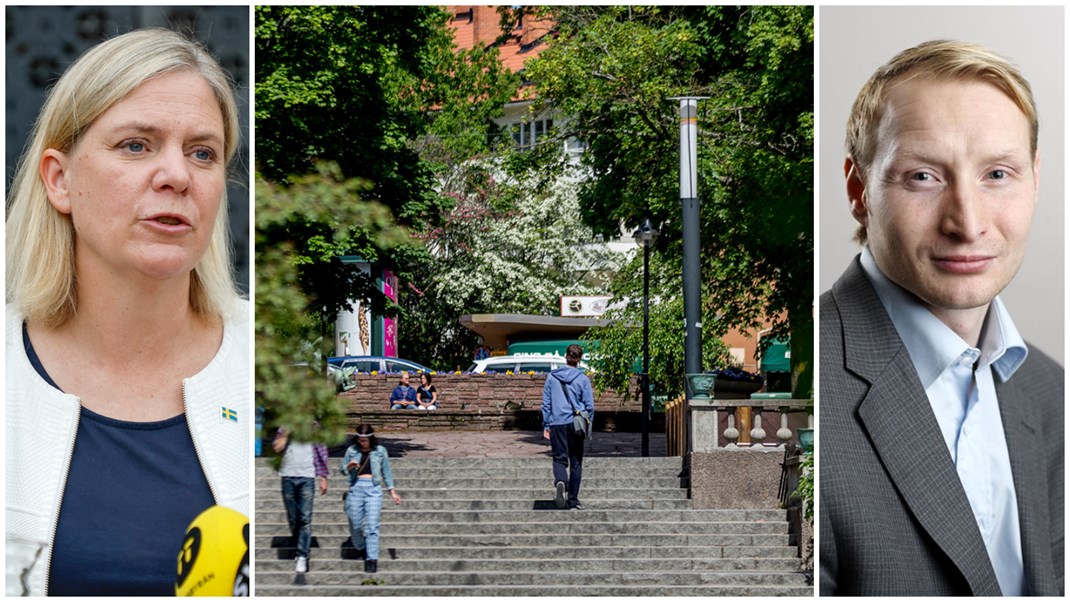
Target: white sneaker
<point x="302" y="565"/>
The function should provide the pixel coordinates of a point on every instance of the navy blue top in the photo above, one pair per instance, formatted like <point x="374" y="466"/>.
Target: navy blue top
<point x="426" y="394"/>
<point x="402" y="392"/>
<point x="132" y="491"/>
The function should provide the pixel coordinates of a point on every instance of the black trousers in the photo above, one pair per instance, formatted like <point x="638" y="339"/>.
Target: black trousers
<point x="567" y="450"/>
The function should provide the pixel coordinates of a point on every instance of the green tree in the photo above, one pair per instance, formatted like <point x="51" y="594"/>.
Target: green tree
<point x="360" y="113"/>
<point x="504" y="248"/>
<point x="382" y="92"/>
<point x="288" y="385"/>
<point x="610" y="72"/>
<point x="358" y="84"/>
<point x="620" y="347"/>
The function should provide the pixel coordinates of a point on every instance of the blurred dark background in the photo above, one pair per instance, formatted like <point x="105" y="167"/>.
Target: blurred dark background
<point x="43" y="41"/>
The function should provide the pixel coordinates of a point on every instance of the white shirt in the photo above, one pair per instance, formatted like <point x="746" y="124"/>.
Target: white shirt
<point x="958" y="380"/>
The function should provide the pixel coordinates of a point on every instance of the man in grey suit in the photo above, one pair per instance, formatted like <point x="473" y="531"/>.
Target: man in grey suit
<point x="941" y="430"/>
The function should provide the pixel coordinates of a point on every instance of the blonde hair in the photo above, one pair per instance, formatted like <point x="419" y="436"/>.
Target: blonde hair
<point x="41" y="278"/>
<point x="943" y="60"/>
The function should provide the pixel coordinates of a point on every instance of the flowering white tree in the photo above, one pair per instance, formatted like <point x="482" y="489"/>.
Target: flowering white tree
<point x="506" y="247"/>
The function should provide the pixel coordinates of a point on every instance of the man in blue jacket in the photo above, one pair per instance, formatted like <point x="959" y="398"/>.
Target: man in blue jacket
<point x="557" y="412"/>
<point x="403" y="396"/>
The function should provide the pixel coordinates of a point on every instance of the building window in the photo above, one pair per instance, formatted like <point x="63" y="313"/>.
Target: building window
<point x="574" y="147"/>
<point x="526" y="135"/>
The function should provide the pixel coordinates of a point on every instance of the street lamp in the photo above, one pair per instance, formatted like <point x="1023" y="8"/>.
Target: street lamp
<point x="645" y="236"/>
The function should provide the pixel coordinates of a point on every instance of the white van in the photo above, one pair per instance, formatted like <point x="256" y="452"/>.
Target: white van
<point x="520" y="364"/>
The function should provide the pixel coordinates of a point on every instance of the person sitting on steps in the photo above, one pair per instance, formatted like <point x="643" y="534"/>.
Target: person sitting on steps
<point x="403" y="396"/>
<point x="426" y="394"/>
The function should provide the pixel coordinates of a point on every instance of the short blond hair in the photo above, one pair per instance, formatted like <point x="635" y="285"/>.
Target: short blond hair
<point x="943" y="60"/>
<point x="41" y="278"/>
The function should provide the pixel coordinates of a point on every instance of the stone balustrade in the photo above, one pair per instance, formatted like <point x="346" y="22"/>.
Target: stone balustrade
<point x="714" y="421"/>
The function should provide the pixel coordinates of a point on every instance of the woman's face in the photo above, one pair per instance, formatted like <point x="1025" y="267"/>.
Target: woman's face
<point x="144" y="184"/>
<point x="423" y="380"/>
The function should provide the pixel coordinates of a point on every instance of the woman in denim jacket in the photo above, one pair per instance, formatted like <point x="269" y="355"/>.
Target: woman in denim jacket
<point x="368" y="467"/>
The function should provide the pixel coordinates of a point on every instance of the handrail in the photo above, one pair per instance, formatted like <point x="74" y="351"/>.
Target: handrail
<point x="675" y="422"/>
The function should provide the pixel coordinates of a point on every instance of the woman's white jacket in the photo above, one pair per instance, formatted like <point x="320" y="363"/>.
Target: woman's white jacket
<point x="40" y="431"/>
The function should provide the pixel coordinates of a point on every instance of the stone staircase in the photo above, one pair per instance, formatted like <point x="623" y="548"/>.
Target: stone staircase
<point x="489" y="527"/>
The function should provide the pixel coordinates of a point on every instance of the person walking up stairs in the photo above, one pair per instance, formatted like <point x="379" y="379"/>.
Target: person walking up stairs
<point x="567" y="399"/>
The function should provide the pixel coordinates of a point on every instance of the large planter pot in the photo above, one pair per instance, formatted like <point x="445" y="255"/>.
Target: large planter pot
<point x="701" y="385"/>
<point x="806" y="438"/>
<point x="745" y="388"/>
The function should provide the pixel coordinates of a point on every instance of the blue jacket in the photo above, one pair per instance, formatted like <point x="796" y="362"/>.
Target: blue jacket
<point x="556" y="408"/>
<point x="402" y="392"/>
<point x="381" y="472"/>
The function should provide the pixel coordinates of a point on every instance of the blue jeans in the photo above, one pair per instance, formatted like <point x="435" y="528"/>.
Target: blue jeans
<point x="567" y="450"/>
<point x="297" y="494"/>
<point x="400" y="407"/>
<point x="364" y="504"/>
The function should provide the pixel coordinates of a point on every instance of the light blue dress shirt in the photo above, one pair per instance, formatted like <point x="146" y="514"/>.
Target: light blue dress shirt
<point x="958" y="381"/>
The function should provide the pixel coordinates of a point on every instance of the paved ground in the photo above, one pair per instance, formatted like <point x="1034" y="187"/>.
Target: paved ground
<point x="509" y="443"/>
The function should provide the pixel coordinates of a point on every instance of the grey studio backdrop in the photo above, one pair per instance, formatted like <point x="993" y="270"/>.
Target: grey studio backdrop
<point x="43" y="41"/>
<point x="855" y="41"/>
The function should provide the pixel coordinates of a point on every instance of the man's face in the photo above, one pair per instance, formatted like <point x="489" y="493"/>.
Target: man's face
<point x="405" y="379"/>
<point x="949" y="198"/>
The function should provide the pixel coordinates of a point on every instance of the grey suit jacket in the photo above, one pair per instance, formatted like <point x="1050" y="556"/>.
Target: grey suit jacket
<point x="894" y="518"/>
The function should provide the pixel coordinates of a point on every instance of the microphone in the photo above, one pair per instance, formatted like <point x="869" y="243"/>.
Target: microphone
<point x="214" y="559"/>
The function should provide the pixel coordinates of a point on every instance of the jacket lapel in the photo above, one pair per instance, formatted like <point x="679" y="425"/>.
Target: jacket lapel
<point x="1025" y="447"/>
<point x="902" y="427"/>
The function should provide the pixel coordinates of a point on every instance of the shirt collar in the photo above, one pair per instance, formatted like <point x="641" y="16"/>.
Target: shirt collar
<point x="932" y="345"/>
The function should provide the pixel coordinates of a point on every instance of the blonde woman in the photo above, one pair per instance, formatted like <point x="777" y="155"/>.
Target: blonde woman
<point x="127" y="376"/>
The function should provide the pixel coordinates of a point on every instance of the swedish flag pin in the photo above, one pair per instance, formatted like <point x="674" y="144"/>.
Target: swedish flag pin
<point x="228" y="414"/>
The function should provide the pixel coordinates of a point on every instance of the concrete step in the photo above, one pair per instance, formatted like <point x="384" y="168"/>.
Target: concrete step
<point x="553" y="565"/>
<point x="265" y="553"/>
<point x="374" y="588"/>
<point x="659" y="462"/>
<point x="544" y="503"/>
<point x="335" y="514"/>
<point x="605" y="465"/>
<point x="508" y="467"/>
<point x="402" y="482"/>
<point x="547" y="528"/>
<point x="535" y="577"/>
<point x="589" y="472"/>
<point x="333" y="542"/>
<point x="672" y="465"/>
<point x="517" y="493"/>
<point x="489" y="527"/>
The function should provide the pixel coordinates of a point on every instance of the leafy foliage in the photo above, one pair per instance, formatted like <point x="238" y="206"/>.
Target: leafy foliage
<point x="288" y="383"/>
<point x="621" y="345"/>
<point x="805" y="490"/>
<point x="379" y="93"/>
<point x="504" y="248"/>
<point x="612" y="70"/>
<point x="358" y="84"/>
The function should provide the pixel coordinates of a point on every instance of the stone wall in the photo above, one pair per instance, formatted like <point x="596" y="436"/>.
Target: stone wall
<point x="736" y="478"/>
<point x="484" y="402"/>
<point x="750" y="478"/>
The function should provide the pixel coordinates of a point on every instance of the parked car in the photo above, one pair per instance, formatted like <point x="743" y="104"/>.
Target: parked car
<point x="340" y="369"/>
<point x="520" y="364"/>
<point x="380" y="364"/>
